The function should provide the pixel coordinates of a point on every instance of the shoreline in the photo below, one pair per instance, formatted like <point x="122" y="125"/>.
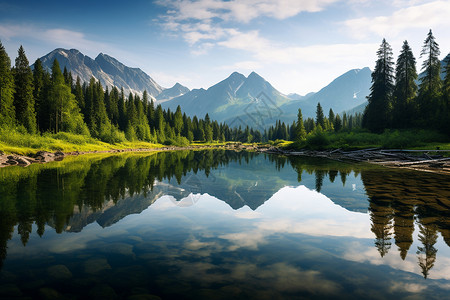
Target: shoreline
<point x="391" y="158"/>
<point x="400" y="159"/>
<point x="41" y="157"/>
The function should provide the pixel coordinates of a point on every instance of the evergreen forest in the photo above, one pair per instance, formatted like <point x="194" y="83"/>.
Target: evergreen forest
<point x="37" y="102"/>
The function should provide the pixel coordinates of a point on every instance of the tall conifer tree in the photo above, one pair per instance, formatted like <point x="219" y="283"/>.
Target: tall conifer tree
<point x="430" y="83"/>
<point x="78" y="92"/>
<point x="38" y="92"/>
<point x="7" y="112"/>
<point x="320" y="117"/>
<point x="377" y="115"/>
<point x="446" y="96"/>
<point x="405" y="88"/>
<point x="178" y="120"/>
<point x="300" y="133"/>
<point x="23" y="97"/>
<point x="64" y="112"/>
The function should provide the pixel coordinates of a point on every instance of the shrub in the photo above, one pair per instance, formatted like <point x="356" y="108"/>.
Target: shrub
<point x="317" y="138"/>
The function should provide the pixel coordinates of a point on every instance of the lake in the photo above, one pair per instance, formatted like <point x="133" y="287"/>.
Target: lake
<point x="218" y="224"/>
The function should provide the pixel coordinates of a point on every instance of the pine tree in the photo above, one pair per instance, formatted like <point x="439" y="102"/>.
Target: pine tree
<point x="405" y="88"/>
<point x="23" y="97"/>
<point x="178" y="120"/>
<point x="123" y="122"/>
<point x="337" y="123"/>
<point x="68" y="79"/>
<point x="378" y="110"/>
<point x="300" y="127"/>
<point x="344" y="121"/>
<point x="7" y="112"/>
<point x="64" y="112"/>
<point x="160" y="124"/>
<point x="331" y="116"/>
<point x="215" y="130"/>
<point x="208" y="129"/>
<point x="113" y="109"/>
<point x="320" y="117"/>
<point x="39" y="92"/>
<point x="142" y="128"/>
<point x="310" y="125"/>
<point x="78" y="92"/>
<point x="430" y="83"/>
<point x="446" y="96"/>
<point x="208" y="132"/>
<point x="100" y="125"/>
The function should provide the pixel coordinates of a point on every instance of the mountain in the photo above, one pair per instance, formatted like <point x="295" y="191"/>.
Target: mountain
<point x="295" y="96"/>
<point x="173" y="92"/>
<point x="230" y="98"/>
<point x="105" y="68"/>
<point x="344" y="93"/>
<point x="242" y="101"/>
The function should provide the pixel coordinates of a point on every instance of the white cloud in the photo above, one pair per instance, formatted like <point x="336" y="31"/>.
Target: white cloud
<point x="423" y="16"/>
<point x="240" y="10"/>
<point x="209" y="20"/>
<point x="202" y="49"/>
<point x="265" y="51"/>
<point x="208" y="25"/>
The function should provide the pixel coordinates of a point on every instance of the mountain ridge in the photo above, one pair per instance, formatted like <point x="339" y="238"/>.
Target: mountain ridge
<point x="239" y="100"/>
<point x="108" y="70"/>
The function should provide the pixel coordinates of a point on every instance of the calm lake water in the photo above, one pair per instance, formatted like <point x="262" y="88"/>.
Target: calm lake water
<point x="222" y="225"/>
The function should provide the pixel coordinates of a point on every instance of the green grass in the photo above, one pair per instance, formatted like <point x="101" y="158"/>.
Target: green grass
<point x="360" y="139"/>
<point x="12" y="141"/>
<point x="281" y="143"/>
<point x="217" y="143"/>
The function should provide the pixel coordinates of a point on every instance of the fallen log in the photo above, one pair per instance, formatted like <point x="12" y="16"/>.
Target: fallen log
<point x="424" y="161"/>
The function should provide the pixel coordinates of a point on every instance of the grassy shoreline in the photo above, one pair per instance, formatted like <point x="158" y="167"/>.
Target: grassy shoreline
<point x="25" y="144"/>
<point x="14" y="142"/>
<point x="410" y="139"/>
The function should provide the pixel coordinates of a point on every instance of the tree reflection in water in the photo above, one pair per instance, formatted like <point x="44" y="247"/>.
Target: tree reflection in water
<point x="50" y="194"/>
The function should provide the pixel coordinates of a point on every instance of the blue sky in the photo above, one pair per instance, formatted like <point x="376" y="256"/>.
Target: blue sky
<point x="297" y="45"/>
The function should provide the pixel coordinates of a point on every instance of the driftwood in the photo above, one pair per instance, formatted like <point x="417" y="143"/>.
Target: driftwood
<point x="411" y="159"/>
<point x="447" y="159"/>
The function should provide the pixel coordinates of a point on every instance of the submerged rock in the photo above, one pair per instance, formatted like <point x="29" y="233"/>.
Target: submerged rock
<point x="102" y="291"/>
<point x="49" y="294"/>
<point x="59" y="272"/>
<point x="96" y="265"/>
<point x="144" y="297"/>
<point x="9" y="290"/>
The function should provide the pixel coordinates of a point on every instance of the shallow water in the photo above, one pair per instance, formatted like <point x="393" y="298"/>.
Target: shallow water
<point x="222" y="224"/>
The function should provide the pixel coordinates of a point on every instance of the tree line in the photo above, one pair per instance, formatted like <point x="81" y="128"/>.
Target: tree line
<point x="299" y="129"/>
<point x="36" y="101"/>
<point x="397" y="101"/>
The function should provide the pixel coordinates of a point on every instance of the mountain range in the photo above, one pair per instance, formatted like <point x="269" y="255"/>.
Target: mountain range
<point x="236" y="100"/>
<point x="109" y="71"/>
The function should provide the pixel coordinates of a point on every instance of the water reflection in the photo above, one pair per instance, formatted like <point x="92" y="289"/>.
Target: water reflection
<point x="397" y="201"/>
<point x="267" y="204"/>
